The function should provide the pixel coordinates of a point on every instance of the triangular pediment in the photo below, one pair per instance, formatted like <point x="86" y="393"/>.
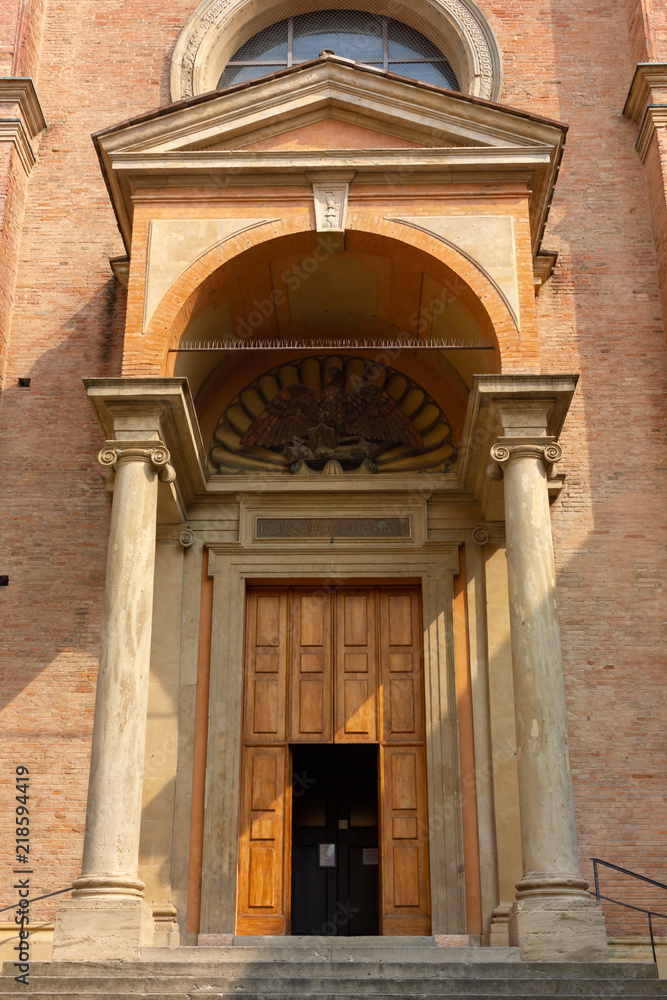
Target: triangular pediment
<point x="295" y="119"/>
<point x="325" y="134"/>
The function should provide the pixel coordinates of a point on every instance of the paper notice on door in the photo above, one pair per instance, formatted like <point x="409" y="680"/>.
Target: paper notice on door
<point x="370" y="856"/>
<point x="327" y="855"/>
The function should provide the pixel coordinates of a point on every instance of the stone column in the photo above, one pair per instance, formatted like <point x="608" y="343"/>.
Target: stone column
<point x="553" y="918"/>
<point x="108" y="918"/>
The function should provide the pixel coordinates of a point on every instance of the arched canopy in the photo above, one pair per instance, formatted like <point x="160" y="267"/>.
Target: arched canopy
<point x="377" y="294"/>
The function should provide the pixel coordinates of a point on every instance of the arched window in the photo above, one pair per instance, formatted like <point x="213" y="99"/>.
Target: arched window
<point x="367" y="38"/>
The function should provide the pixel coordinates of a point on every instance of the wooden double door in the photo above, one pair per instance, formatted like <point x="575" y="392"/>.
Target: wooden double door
<point x="333" y="693"/>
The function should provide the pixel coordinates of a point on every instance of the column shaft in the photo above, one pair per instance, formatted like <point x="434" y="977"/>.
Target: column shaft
<point x="107" y="917"/>
<point x="553" y="917"/>
<point x="549" y="840"/>
<point x="111" y="844"/>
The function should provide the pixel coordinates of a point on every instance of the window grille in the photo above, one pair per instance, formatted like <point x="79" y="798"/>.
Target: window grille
<point x="367" y="38"/>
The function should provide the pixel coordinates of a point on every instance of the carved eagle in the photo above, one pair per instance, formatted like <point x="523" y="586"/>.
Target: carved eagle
<point x="366" y="411"/>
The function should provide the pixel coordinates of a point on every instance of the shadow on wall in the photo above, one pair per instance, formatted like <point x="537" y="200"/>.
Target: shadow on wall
<point x="53" y="544"/>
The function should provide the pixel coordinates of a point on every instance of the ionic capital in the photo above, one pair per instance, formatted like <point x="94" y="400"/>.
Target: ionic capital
<point x="157" y="456"/>
<point x="544" y="449"/>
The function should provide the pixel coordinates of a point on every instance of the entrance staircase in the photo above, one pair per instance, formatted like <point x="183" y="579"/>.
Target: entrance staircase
<point x="332" y="969"/>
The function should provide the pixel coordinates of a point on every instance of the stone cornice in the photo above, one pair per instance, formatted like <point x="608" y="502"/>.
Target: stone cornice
<point x="543" y="266"/>
<point x="197" y="142"/>
<point x="655" y="117"/>
<point x="166" y="404"/>
<point x="20" y="90"/>
<point x="12" y="130"/>
<point x="648" y="78"/>
<point x="121" y="269"/>
<point x="522" y="409"/>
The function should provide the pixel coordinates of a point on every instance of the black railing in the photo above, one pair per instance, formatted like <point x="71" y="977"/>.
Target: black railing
<point x="36" y="899"/>
<point x="630" y="906"/>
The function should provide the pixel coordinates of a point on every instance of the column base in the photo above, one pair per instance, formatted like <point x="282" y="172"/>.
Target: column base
<point x="558" y="929"/>
<point x="92" y="929"/>
<point x="166" y="932"/>
<point x="499" y="932"/>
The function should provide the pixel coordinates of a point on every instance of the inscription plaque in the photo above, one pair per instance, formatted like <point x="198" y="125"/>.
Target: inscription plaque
<point x="332" y="527"/>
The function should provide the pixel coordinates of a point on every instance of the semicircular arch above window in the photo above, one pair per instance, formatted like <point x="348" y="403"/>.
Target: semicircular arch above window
<point x="333" y="415"/>
<point x="371" y="39"/>
<point x="408" y="38"/>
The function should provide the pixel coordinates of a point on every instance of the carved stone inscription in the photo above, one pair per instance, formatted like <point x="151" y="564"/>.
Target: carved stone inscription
<point x="333" y="527"/>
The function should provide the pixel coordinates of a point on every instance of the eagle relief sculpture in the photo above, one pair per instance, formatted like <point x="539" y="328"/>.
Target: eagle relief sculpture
<point x="346" y="428"/>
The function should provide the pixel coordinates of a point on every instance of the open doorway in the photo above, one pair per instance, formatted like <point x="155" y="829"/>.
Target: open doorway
<point x="335" y="856"/>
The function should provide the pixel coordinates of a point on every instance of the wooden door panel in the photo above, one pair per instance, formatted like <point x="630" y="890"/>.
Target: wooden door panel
<point x="266" y="666"/>
<point x="356" y="667"/>
<point x="311" y="663"/>
<point x="402" y="674"/>
<point x="405" y="872"/>
<point x="264" y="813"/>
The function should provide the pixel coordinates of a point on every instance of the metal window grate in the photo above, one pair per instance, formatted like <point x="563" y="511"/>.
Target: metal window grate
<point x="371" y="39"/>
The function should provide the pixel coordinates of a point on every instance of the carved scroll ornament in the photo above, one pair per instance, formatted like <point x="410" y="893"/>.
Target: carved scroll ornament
<point x="158" y="457"/>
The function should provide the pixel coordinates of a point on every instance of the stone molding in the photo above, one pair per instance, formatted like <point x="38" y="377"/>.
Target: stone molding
<point x="543" y="267"/>
<point x="648" y="78"/>
<point x="108" y="885"/>
<point x="218" y="27"/>
<point x="166" y="405"/>
<point x="19" y="93"/>
<point x="21" y="117"/>
<point x="549" y="884"/>
<point x="646" y="103"/>
<point x="506" y="411"/>
<point x="654" y="118"/>
<point x="12" y="130"/>
<point x="121" y="270"/>
<point x="465" y="137"/>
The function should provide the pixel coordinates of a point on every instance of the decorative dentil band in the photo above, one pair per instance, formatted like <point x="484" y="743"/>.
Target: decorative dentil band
<point x="545" y="450"/>
<point x="158" y="457"/>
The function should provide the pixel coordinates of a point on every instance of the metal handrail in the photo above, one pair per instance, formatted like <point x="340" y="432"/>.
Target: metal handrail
<point x="629" y="906"/>
<point x="36" y="899"/>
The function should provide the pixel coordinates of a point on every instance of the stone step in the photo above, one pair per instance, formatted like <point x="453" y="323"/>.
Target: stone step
<point x="369" y="986"/>
<point x="29" y="992"/>
<point x="322" y="950"/>
<point x="350" y="970"/>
